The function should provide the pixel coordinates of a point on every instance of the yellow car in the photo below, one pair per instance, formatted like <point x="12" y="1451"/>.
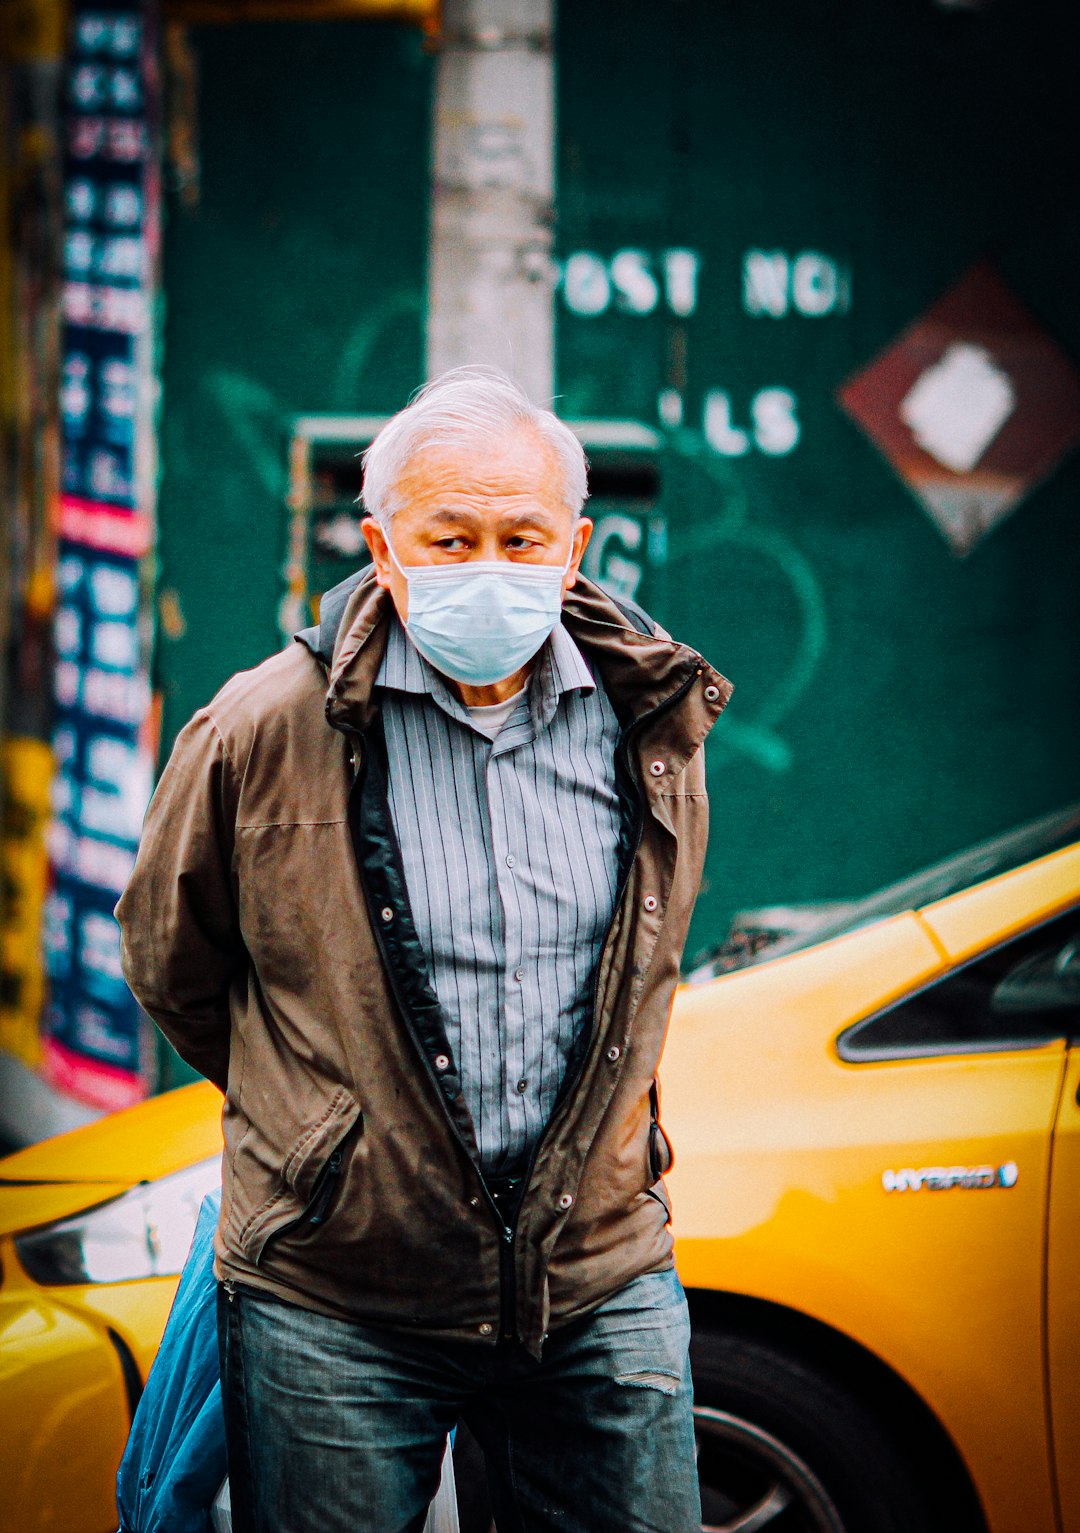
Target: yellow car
<point x="877" y="1207"/>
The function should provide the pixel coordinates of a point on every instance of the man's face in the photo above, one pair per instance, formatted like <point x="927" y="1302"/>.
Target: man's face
<point x="498" y="501"/>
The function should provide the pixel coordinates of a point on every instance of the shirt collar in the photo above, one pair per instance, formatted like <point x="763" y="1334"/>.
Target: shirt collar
<point x="561" y="668"/>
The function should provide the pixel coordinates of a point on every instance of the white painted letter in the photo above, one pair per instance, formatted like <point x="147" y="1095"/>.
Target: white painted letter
<point x="815" y="284"/>
<point x="721" y="435"/>
<point x="612" y="570"/>
<point x="586" y="285"/>
<point x="637" y="289"/>
<point x="680" y="278"/>
<point x="669" y="406"/>
<point x="776" y="426"/>
<point x="765" y="282"/>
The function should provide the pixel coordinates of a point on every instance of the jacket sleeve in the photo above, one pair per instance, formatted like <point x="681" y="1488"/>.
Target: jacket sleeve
<point x="180" y="939"/>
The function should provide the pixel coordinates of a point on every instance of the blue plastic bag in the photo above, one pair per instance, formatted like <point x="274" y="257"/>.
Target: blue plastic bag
<point x="170" y="1477"/>
<point x="174" y="1461"/>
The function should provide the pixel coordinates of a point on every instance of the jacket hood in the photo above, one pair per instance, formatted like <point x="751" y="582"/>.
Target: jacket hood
<point x="642" y="667"/>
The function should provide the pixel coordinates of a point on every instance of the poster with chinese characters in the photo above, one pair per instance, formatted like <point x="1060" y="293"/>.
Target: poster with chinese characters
<point x="96" y="1042"/>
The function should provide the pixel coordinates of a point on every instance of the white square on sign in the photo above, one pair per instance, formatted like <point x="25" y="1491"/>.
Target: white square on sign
<point x="956" y="408"/>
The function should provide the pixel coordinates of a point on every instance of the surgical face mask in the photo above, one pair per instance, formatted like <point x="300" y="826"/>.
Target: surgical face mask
<point x="480" y="621"/>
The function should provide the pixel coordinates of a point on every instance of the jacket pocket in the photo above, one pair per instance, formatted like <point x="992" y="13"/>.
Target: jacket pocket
<point x="310" y="1175"/>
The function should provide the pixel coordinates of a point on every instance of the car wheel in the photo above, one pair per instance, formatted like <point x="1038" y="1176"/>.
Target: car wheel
<point x="783" y="1448"/>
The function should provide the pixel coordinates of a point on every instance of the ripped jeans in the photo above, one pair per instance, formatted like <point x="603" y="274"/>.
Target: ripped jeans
<point x="335" y="1427"/>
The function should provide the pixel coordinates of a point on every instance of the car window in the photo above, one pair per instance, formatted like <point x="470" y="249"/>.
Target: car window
<point x="1026" y="991"/>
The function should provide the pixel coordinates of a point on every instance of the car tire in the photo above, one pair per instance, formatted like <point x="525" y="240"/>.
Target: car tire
<point x="785" y="1448"/>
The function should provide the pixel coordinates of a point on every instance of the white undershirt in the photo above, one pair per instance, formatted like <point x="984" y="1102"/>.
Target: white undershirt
<point x="492" y="716"/>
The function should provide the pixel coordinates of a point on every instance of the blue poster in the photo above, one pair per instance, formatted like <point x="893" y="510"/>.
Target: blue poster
<point x="96" y="1040"/>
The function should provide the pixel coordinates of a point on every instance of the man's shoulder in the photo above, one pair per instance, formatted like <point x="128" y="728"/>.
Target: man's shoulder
<point x="284" y="690"/>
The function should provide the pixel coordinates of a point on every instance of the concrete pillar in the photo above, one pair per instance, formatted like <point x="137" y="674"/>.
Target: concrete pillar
<point x="490" y="282"/>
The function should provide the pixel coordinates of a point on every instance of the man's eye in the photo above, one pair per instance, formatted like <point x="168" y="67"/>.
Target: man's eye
<point x="451" y="545"/>
<point x="518" y="543"/>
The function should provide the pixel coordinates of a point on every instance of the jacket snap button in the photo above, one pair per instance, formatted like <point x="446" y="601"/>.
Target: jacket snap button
<point x="712" y="693"/>
<point x="485" y="1328"/>
<point x="386" y="913"/>
<point x="442" y="1061"/>
<point x="650" y="902"/>
<point x="657" y="768"/>
<point x="614" y="1052"/>
<point x="566" y="1201"/>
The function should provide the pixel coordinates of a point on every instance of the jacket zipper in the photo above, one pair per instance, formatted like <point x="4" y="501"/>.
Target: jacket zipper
<point x="504" y="1230"/>
<point x="317" y="1206"/>
<point x="325" y="1187"/>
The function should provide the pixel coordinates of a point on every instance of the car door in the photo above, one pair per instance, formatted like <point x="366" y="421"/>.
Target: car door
<point x="888" y="1178"/>
<point x="1013" y="987"/>
<point x="1063" y="1288"/>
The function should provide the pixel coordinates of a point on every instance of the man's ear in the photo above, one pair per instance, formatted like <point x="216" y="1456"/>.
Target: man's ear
<point x="375" y="538"/>
<point x="582" y="533"/>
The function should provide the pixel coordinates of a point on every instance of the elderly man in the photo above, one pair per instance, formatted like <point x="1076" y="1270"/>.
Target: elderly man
<point x="413" y="894"/>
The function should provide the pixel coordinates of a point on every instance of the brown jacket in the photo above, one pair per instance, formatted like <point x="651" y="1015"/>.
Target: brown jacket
<point x="266" y="930"/>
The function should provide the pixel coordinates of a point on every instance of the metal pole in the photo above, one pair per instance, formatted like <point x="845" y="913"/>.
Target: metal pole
<point x="490" y="284"/>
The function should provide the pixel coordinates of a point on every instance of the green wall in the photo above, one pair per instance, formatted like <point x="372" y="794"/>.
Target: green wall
<point x="893" y="702"/>
<point x="294" y="285"/>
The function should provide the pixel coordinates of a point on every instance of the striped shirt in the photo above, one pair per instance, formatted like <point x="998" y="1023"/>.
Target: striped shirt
<point x="510" y="854"/>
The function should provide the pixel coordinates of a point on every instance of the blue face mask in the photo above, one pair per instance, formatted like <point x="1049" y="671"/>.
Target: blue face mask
<point x="481" y="621"/>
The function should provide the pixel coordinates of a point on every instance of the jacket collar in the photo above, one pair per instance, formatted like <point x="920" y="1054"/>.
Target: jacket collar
<point x="640" y="671"/>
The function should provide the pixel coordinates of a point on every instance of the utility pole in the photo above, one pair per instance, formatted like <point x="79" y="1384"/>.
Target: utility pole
<point x="491" y="276"/>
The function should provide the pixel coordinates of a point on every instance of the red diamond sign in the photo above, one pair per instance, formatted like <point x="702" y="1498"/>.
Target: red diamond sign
<point x="974" y="405"/>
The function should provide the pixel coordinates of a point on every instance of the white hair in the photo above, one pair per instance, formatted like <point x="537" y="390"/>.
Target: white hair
<point x="466" y="405"/>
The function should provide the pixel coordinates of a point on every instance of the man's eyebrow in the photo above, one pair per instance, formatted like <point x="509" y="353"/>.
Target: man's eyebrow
<point x="536" y="516"/>
<point x="452" y="518"/>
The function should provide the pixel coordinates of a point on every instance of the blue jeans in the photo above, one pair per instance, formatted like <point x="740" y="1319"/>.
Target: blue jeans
<point x="335" y="1427"/>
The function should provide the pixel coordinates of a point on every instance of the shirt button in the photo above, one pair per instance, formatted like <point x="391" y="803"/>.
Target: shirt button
<point x="712" y="693"/>
<point x="386" y="914"/>
<point x="519" y="975"/>
<point x="566" y="1201"/>
<point x="474" y="1202"/>
<point x="650" y="902"/>
<point x="614" y="1052"/>
<point x="510" y="859"/>
<point x="522" y="1086"/>
<point x="442" y="1061"/>
<point x="657" y="768"/>
<point x="485" y="1328"/>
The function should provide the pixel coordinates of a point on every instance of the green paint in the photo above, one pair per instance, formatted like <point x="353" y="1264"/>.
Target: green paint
<point x="702" y="543"/>
<point x="294" y="287"/>
<point x="892" y="702"/>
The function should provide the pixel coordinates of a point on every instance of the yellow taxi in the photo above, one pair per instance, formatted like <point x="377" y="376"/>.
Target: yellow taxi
<point x="876" y="1201"/>
<point x="876" y="1196"/>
